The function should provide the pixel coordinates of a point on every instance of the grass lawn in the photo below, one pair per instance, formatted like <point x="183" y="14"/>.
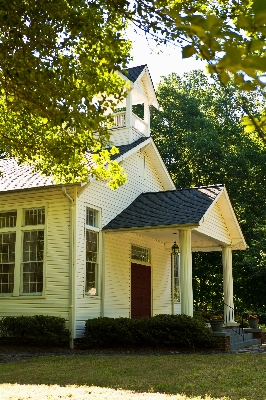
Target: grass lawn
<point x="236" y="376"/>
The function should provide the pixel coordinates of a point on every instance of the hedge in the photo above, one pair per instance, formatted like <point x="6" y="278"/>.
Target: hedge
<point x="40" y="329"/>
<point x="161" y="330"/>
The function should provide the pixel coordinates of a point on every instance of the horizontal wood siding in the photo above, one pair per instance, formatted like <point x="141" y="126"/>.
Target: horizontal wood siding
<point x="55" y="301"/>
<point x="111" y="203"/>
<point x="177" y="308"/>
<point x="161" y="267"/>
<point x="140" y="87"/>
<point x="215" y="226"/>
<point x="117" y="274"/>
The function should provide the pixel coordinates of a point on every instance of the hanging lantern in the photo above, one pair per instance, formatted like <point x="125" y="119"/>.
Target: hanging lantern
<point x="175" y="249"/>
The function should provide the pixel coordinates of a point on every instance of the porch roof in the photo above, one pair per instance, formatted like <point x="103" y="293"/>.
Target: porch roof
<point x="172" y="207"/>
<point x="206" y="211"/>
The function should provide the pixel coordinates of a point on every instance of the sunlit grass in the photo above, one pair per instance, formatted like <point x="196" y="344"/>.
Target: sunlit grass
<point x="53" y="392"/>
<point x="236" y="376"/>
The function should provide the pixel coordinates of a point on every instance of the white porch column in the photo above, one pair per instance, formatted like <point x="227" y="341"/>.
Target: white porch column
<point x="186" y="272"/>
<point x="129" y="115"/>
<point x="228" y="284"/>
<point x="147" y="117"/>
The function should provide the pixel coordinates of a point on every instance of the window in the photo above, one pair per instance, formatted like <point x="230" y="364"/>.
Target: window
<point x="32" y="261"/>
<point x="22" y="251"/>
<point x="7" y="262"/>
<point x="8" y="222"/>
<point x="33" y="251"/>
<point x="92" y="251"/>
<point x="176" y="287"/>
<point x="140" y="253"/>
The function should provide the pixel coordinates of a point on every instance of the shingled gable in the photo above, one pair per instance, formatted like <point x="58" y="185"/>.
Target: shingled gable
<point x="133" y="73"/>
<point x="173" y="207"/>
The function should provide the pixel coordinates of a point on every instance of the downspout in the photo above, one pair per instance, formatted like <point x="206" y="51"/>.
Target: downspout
<point x="71" y="270"/>
<point x="103" y="275"/>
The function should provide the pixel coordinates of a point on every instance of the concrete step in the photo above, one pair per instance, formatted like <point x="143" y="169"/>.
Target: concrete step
<point x="244" y="343"/>
<point x="237" y="341"/>
<point x="236" y="337"/>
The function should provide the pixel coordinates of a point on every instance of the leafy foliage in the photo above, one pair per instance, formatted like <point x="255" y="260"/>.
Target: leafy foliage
<point x="56" y="57"/>
<point x="58" y="64"/>
<point x="199" y="134"/>
<point x="40" y="329"/>
<point x="229" y="35"/>
<point x="161" y="330"/>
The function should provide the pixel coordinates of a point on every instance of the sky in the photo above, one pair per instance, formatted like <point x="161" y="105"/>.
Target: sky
<point x="167" y="61"/>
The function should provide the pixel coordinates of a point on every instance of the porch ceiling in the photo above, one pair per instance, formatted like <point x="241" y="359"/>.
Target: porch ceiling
<point x="199" y="241"/>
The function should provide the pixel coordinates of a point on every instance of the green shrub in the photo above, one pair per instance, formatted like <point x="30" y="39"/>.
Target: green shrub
<point x="161" y="330"/>
<point x="40" y="329"/>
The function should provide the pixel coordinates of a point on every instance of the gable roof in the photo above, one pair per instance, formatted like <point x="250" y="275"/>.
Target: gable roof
<point x="172" y="207"/>
<point x="19" y="177"/>
<point x="133" y="73"/>
<point x="125" y="148"/>
<point x="22" y="176"/>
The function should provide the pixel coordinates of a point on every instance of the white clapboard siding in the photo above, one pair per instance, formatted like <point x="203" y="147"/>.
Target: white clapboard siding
<point x="110" y="203"/>
<point x="113" y="202"/>
<point x="214" y="225"/>
<point x="161" y="263"/>
<point x="177" y="308"/>
<point x="118" y="271"/>
<point x="141" y="88"/>
<point x="55" y="301"/>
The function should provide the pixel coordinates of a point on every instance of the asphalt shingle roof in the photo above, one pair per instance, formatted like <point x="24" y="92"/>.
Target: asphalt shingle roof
<point x="133" y="73"/>
<point x="15" y="176"/>
<point x="127" y="147"/>
<point x="173" y="207"/>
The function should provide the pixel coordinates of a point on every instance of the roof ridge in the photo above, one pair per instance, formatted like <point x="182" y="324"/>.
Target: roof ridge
<point x="195" y="187"/>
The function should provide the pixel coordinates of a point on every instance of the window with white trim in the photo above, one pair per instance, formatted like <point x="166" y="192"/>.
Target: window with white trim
<point x="92" y="251"/>
<point x="22" y="251"/>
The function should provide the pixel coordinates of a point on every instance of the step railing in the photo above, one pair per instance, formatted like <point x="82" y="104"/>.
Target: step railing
<point x="229" y="316"/>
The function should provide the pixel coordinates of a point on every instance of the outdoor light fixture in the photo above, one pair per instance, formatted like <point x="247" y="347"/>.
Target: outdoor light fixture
<point x="175" y="276"/>
<point x="175" y="249"/>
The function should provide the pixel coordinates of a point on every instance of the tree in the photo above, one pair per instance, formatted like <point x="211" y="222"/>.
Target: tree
<point x="55" y="58"/>
<point x="229" y="35"/>
<point x="199" y="134"/>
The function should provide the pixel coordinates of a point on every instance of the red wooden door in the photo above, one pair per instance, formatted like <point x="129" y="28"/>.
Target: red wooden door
<point x="140" y="291"/>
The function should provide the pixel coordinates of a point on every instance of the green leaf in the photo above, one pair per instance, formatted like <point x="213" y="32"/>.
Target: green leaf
<point x="260" y="18"/>
<point x="258" y="6"/>
<point x="256" y="62"/>
<point x="256" y="45"/>
<point x="244" y="21"/>
<point x="188" y="51"/>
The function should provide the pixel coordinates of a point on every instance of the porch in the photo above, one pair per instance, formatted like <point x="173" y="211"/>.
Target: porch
<point x="197" y="219"/>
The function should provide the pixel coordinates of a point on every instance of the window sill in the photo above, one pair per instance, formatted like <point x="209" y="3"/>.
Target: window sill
<point x="91" y="296"/>
<point x="22" y="297"/>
